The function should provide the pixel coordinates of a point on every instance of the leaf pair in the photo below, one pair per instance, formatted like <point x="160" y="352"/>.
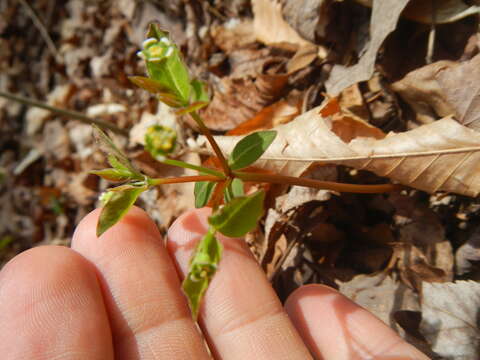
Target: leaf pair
<point x="246" y="152"/>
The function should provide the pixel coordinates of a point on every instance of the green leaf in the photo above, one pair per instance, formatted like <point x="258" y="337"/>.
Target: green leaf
<point x="116" y="158"/>
<point x="203" y="266"/>
<point x="250" y="148"/>
<point x="239" y="216"/>
<point x="116" y="206"/>
<point x="165" y="65"/>
<point x="202" y="191"/>
<point x="111" y="174"/>
<point x="234" y="189"/>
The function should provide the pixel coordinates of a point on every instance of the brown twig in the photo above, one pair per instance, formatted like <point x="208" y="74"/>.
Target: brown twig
<point x="317" y="184"/>
<point x="43" y="31"/>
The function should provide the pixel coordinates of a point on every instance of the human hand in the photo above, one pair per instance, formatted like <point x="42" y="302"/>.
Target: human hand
<point x="119" y="297"/>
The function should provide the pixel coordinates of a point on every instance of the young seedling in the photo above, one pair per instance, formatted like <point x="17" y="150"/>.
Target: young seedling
<point x="234" y="213"/>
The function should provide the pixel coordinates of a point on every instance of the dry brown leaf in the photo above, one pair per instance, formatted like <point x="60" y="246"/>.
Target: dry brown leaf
<point x="247" y="96"/>
<point x="422" y="92"/>
<point x="450" y="318"/>
<point x="439" y="156"/>
<point x="460" y="87"/>
<point x="279" y="113"/>
<point x="446" y="11"/>
<point x="271" y="28"/>
<point x="233" y="34"/>
<point x="384" y="19"/>
<point x="444" y="88"/>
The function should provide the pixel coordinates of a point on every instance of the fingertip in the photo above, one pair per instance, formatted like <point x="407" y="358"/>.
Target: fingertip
<point x="333" y="326"/>
<point x="135" y="221"/>
<point x="51" y="297"/>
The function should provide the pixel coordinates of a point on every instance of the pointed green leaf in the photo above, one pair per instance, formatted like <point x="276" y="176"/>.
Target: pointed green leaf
<point x="116" y="207"/>
<point x="202" y="191"/>
<point x="116" y="158"/>
<point x="111" y="174"/>
<point x="239" y="216"/>
<point x="203" y="265"/>
<point x="250" y="148"/>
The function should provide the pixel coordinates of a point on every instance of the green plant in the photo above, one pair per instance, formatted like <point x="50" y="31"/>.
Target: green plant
<point x="234" y="213"/>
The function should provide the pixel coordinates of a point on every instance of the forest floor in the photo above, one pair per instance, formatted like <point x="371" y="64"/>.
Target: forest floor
<point x="402" y="78"/>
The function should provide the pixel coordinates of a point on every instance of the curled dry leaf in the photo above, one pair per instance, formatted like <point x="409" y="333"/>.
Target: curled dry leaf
<point x="271" y="28"/>
<point x="384" y="19"/>
<point x="440" y="156"/>
<point x="450" y="318"/>
<point x="444" y="88"/>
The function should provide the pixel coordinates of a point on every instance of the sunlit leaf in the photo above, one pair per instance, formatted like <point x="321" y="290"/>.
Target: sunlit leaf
<point x="239" y="216"/>
<point x="116" y="207"/>
<point x="116" y="158"/>
<point x="203" y="265"/>
<point x="250" y="148"/>
<point x="203" y="191"/>
<point x="111" y="174"/>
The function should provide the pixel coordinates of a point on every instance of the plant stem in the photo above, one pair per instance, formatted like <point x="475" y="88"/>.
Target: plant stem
<point x="183" y="179"/>
<point x="72" y="114"/>
<point x="200" y="169"/>
<point x="326" y="185"/>
<point x="205" y="131"/>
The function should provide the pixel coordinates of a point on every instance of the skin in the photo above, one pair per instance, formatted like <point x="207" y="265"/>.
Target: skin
<point x="119" y="297"/>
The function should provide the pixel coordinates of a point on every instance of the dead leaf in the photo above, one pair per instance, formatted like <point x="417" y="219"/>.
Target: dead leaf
<point x="271" y="28"/>
<point x="279" y="113"/>
<point x="246" y="95"/>
<point x="446" y="11"/>
<point x="450" y="318"/>
<point x="460" y="86"/>
<point x="438" y="156"/>
<point x="310" y="18"/>
<point x="385" y="14"/>
<point x="233" y="35"/>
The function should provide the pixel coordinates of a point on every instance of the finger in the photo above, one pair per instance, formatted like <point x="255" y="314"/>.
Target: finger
<point x="334" y="327"/>
<point x="149" y="315"/>
<point x="51" y="307"/>
<point x="241" y="315"/>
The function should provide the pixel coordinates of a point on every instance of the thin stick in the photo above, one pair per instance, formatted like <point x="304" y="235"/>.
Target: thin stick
<point x="317" y="184"/>
<point x="43" y="31"/>
<point x="205" y="131"/>
<point x="431" y="34"/>
<point x="69" y="113"/>
<point x="183" y="179"/>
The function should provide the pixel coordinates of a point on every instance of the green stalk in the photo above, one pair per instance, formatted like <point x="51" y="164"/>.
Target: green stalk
<point x="200" y="169"/>
<point x="317" y="184"/>
<point x="205" y="131"/>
